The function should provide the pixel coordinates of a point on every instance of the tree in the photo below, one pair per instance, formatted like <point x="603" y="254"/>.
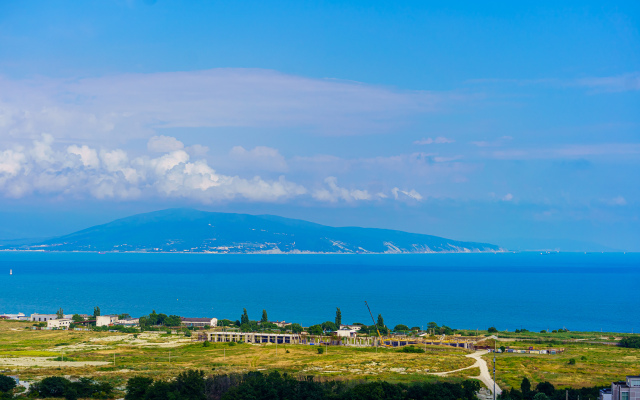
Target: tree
<point x="492" y="329"/>
<point x="540" y="396"/>
<point x="525" y="386"/>
<point x="96" y="311"/>
<point x="190" y="385"/>
<point x="244" y="319"/>
<point x="329" y="326"/>
<point x="432" y="326"/>
<point x="338" y="317"/>
<point x="173" y="320"/>
<point x="124" y="316"/>
<point x="315" y="330"/>
<point x="54" y="386"/>
<point x="296" y="328"/>
<point x="572" y="361"/>
<point x="401" y="327"/>
<point x="546" y="388"/>
<point x="6" y="384"/>
<point x="77" y="318"/>
<point x="502" y="349"/>
<point x="60" y="313"/>
<point x="632" y="342"/>
<point x="380" y="323"/>
<point x="264" y="316"/>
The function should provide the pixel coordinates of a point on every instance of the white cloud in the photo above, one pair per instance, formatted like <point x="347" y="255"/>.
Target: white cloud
<point x="333" y="192"/>
<point x="412" y="194"/>
<point x="83" y="171"/>
<point x="617" y="201"/>
<point x="619" y="83"/>
<point x="438" y="140"/>
<point x="128" y="106"/>
<point x="507" y="197"/>
<point x="501" y="141"/>
<point x="261" y="157"/>
<point x="163" y="144"/>
<point x="569" y="151"/>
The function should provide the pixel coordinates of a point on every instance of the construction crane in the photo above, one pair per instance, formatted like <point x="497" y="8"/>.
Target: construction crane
<point x="374" y="322"/>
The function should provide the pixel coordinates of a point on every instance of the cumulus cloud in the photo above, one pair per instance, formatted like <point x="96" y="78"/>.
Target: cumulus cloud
<point x="262" y="157"/>
<point x="438" y="140"/>
<point x="135" y="105"/>
<point x="507" y="197"/>
<point x="81" y="171"/>
<point x="333" y="193"/>
<point x="412" y="194"/>
<point x="163" y="144"/>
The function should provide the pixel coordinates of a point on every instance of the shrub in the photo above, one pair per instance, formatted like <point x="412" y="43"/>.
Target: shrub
<point x="206" y="344"/>
<point x="411" y="349"/>
<point x="320" y="350"/>
<point x="6" y="383"/>
<point x="632" y="342"/>
<point x="572" y="361"/>
<point x="492" y="329"/>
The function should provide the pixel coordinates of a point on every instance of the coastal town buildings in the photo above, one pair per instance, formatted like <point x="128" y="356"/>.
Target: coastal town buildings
<point x="46" y="317"/>
<point x="199" y="322"/>
<point x="59" y="323"/>
<point x="106" y="320"/>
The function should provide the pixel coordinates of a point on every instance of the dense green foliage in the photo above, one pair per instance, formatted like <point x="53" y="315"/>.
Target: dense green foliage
<point x="56" y="386"/>
<point x="411" y="349"/>
<point x="6" y="383"/>
<point x="274" y="386"/>
<point x="632" y="342"/>
<point x="244" y="319"/>
<point x="188" y="385"/>
<point x="400" y="328"/>
<point x="546" y="391"/>
<point x="338" y="320"/>
<point x="155" y="319"/>
<point x="264" y="316"/>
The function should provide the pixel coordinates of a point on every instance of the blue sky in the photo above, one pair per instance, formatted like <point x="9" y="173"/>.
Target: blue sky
<point x="516" y="124"/>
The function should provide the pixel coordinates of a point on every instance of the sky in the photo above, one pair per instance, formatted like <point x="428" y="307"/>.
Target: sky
<point x="514" y="123"/>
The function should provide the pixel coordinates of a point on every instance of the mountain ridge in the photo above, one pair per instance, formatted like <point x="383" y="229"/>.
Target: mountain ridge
<point x="190" y="230"/>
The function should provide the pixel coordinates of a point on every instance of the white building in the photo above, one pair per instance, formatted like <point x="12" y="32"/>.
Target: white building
<point x="62" y="323"/>
<point x="46" y="317"/>
<point x="15" y="317"/>
<point x="106" y="320"/>
<point x="352" y="327"/>
<point x="342" y="332"/>
<point x="199" y="322"/>
<point x="128" y="321"/>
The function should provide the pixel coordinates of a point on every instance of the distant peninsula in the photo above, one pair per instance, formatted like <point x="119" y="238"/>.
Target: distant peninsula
<point x="192" y="231"/>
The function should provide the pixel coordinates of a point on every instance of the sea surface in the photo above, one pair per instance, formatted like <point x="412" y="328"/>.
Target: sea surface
<point x="535" y="291"/>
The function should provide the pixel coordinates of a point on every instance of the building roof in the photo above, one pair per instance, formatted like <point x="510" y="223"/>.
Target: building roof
<point x="195" y="319"/>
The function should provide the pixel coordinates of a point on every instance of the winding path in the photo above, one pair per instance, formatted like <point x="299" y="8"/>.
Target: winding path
<point x="484" y="377"/>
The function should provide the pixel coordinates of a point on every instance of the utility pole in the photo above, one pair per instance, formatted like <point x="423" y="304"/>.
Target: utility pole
<point x="494" y="376"/>
<point x="276" y="346"/>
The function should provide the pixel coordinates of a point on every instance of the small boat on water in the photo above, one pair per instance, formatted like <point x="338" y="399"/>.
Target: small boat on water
<point x="10" y="272"/>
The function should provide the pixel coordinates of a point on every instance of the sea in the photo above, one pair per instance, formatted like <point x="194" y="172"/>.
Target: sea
<point x="531" y="290"/>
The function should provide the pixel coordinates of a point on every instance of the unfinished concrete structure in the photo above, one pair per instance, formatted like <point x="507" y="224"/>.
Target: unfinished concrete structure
<point x="253" y="337"/>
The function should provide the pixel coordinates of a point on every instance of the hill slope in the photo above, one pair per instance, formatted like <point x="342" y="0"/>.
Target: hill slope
<point x="187" y="230"/>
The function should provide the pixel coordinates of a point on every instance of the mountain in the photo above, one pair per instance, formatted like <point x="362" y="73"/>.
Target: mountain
<point x="188" y="230"/>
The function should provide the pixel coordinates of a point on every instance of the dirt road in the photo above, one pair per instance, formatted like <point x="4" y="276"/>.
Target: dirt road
<point x="485" y="375"/>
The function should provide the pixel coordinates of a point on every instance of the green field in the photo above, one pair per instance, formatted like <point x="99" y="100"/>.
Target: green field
<point x="34" y="354"/>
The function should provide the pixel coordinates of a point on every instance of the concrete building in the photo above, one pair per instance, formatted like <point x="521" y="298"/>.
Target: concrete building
<point x="280" y="324"/>
<point x="200" y="322"/>
<point x="59" y="323"/>
<point x="353" y="327"/>
<point x="15" y="317"/>
<point x="106" y="320"/>
<point x="127" y="321"/>
<point x="605" y="394"/>
<point x="253" y="337"/>
<point x="46" y="317"/>
<point x="344" y="332"/>
<point x="628" y="389"/>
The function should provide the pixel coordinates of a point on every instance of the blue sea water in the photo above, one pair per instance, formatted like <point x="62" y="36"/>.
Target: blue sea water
<point x="507" y="290"/>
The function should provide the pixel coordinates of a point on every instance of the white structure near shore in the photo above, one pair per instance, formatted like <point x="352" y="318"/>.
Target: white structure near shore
<point x="59" y="323"/>
<point x="106" y="320"/>
<point x="47" y="317"/>
<point x="199" y="322"/>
